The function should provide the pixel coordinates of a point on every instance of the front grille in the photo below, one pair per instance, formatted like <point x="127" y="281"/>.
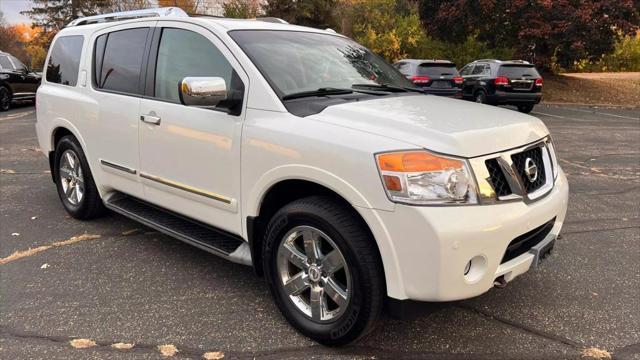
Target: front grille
<point x="520" y="162"/>
<point x="525" y="242"/>
<point x="497" y="178"/>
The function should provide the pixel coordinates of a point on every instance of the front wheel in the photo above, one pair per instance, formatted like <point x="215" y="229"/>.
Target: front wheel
<point x="525" y="108"/>
<point x="5" y="98"/>
<point x="323" y="270"/>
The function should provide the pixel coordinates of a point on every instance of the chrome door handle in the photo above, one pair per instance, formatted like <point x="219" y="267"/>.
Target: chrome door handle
<point x="150" y="119"/>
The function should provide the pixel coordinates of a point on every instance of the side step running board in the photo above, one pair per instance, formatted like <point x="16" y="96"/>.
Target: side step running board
<point x="205" y="237"/>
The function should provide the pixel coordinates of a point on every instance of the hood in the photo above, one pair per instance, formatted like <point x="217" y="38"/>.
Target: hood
<point x="448" y="126"/>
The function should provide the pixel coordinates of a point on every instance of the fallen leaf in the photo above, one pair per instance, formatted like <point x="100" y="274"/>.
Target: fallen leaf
<point x="122" y="346"/>
<point x="24" y="253"/>
<point x="213" y="355"/>
<point x="82" y="343"/>
<point x="7" y="171"/>
<point x="34" y="217"/>
<point x="44" y="266"/>
<point x="168" y="350"/>
<point x="595" y="353"/>
<point x="15" y="234"/>
<point x="130" y="232"/>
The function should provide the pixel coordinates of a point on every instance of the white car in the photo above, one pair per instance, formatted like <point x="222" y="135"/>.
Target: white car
<point x="301" y="153"/>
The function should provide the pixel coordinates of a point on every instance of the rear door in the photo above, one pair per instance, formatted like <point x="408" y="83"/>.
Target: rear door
<point x="117" y="82"/>
<point x="190" y="156"/>
<point x="27" y="81"/>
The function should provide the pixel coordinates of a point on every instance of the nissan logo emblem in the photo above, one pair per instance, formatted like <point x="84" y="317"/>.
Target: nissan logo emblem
<point x="531" y="170"/>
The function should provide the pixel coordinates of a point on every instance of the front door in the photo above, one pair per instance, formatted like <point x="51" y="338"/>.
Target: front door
<point x="190" y="156"/>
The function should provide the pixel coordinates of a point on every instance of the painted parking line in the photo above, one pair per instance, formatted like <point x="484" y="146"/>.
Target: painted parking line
<point x="16" y="115"/>
<point x="602" y="113"/>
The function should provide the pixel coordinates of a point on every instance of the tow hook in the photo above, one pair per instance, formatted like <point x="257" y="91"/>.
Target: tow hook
<point x="500" y="282"/>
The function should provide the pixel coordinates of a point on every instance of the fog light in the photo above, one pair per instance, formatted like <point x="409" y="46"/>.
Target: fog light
<point x="467" y="268"/>
<point x="475" y="269"/>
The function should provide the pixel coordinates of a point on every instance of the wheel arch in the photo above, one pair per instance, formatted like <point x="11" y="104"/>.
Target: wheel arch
<point x="58" y="132"/>
<point x="289" y="189"/>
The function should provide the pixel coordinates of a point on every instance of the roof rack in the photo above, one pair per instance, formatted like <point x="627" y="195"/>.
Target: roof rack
<point x="488" y="60"/>
<point x="520" y="61"/>
<point x="128" y="15"/>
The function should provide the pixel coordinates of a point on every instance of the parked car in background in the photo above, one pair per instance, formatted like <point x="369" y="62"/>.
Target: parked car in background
<point x="513" y="82"/>
<point x="17" y="81"/>
<point x="438" y="77"/>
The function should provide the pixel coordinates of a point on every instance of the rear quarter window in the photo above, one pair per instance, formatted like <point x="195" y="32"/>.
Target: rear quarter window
<point x="518" y="71"/>
<point x="5" y="64"/>
<point x="64" y="60"/>
<point x="118" y="60"/>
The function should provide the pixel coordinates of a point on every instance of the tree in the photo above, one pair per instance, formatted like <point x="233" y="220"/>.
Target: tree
<point x="314" y="13"/>
<point x="242" y="9"/>
<point x="389" y="28"/>
<point x="541" y="31"/>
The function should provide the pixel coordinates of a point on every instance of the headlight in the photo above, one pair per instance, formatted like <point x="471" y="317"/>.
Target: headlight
<point x="422" y="178"/>
<point x="554" y="160"/>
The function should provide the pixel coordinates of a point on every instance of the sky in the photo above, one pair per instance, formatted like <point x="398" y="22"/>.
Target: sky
<point x="11" y="10"/>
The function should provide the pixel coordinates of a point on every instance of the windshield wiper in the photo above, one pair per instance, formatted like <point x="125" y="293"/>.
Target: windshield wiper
<point x="317" y="92"/>
<point x="387" y="88"/>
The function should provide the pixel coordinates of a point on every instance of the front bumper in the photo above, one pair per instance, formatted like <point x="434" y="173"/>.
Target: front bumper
<point x="432" y="245"/>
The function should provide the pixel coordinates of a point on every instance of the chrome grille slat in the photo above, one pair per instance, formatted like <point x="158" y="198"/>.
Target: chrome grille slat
<point x="501" y="176"/>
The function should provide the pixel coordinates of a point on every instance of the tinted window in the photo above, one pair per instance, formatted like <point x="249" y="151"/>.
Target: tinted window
<point x="5" y="64"/>
<point x="479" y="69"/>
<point x="17" y="64"/>
<point x="518" y="71"/>
<point x="184" y="53"/>
<point x="119" y="68"/>
<point x="466" y="70"/>
<point x="434" y="70"/>
<point x="64" y="60"/>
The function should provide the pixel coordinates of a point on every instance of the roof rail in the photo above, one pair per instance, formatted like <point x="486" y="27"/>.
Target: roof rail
<point x="272" y="20"/>
<point x="488" y="60"/>
<point x="520" y="61"/>
<point x="128" y="15"/>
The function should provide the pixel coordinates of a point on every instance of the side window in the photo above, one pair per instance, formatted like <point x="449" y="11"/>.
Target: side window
<point x="466" y="70"/>
<point x="17" y="64"/>
<point x="184" y="53"/>
<point x="64" y="60"/>
<point x="487" y="70"/>
<point x="118" y="60"/>
<point x="478" y="69"/>
<point x="5" y="64"/>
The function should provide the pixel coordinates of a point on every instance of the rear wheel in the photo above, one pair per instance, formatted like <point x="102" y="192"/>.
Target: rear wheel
<point x="5" y="98"/>
<point x="480" y="97"/>
<point x="525" y="108"/>
<point x="323" y="270"/>
<point x="74" y="181"/>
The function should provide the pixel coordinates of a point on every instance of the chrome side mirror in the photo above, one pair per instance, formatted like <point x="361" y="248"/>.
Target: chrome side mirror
<point x="202" y="91"/>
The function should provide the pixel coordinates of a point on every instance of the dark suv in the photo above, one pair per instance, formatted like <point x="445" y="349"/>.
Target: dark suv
<point x="17" y="81"/>
<point x="513" y="82"/>
<point x="438" y="77"/>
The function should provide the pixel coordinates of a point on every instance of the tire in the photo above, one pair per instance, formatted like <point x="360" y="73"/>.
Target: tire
<point x="360" y="281"/>
<point x="480" y="97"/>
<point x="74" y="182"/>
<point x="525" y="108"/>
<point x="5" y="98"/>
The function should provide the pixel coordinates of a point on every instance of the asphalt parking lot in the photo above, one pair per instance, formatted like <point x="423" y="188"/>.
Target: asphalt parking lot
<point x="136" y="286"/>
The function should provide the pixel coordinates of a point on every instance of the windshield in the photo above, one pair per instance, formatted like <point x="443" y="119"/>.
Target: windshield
<point x="434" y="70"/>
<point x="295" y="62"/>
<point x="518" y="71"/>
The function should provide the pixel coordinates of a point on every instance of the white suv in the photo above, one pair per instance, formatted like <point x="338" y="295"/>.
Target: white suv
<point x="301" y="153"/>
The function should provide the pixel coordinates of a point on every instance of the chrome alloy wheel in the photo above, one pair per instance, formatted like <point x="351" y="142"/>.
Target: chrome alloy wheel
<point x="314" y="273"/>
<point x="71" y="177"/>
